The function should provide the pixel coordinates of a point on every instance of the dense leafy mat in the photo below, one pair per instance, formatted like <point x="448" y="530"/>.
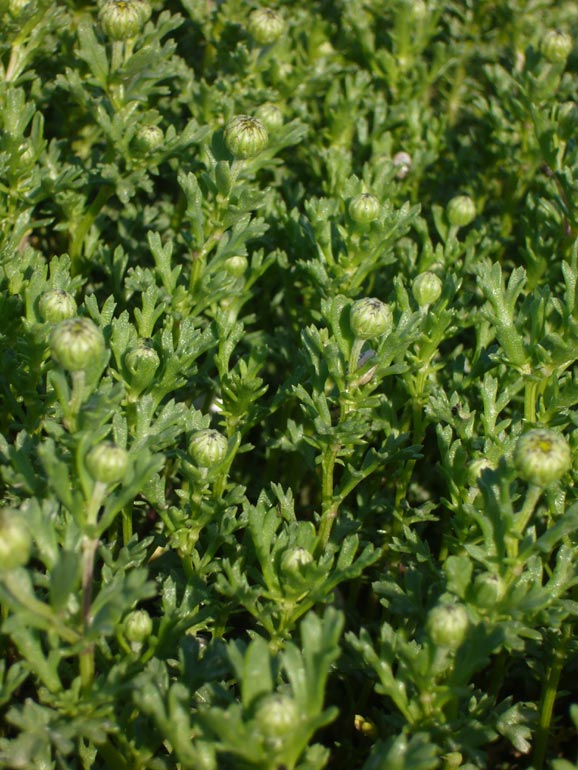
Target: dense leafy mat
<point x="288" y="345"/>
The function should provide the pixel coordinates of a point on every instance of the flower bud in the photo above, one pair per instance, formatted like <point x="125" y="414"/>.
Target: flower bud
<point x="75" y="343"/>
<point x="402" y="162"/>
<point x="142" y="362"/>
<point x="461" y="211"/>
<point x="148" y="139"/>
<point x="15" y="540"/>
<point x="208" y="447"/>
<point x="556" y="46"/>
<point x="542" y="456"/>
<point x="364" y="208"/>
<point x="270" y="116"/>
<point x="265" y="26"/>
<point x="370" y="318"/>
<point x="489" y="590"/>
<point x="447" y="625"/>
<point x="245" y="136"/>
<point x="476" y="468"/>
<point x="56" y="305"/>
<point x="138" y="626"/>
<point x="121" y="19"/>
<point x="277" y="716"/>
<point x="236" y="266"/>
<point x="294" y="559"/>
<point x="107" y="463"/>
<point x="426" y="289"/>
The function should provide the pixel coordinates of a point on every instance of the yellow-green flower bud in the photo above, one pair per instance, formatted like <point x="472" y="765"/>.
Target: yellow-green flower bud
<point x="542" y="456"/>
<point x="370" y="318"/>
<point x="556" y="46"/>
<point x="236" y="266"/>
<point x="265" y="26"/>
<point x="148" y="139"/>
<point x="489" y="590"/>
<point x="138" y="626"/>
<point x="15" y="540"/>
<point x="75" y="343"/>
<point x="56" y="305"/>
<point x="426" y="288"/>
<point x="447" y="625"/>
<point x="121" y="19"/>
<point x="142" y="362"/>
<point x="270" y="116"/>
<point x="277" y="716"/>
<point x="107" y="463"/>
<point x="364" y="208"/>
<point x="294" y="559"/>
<point x="208" y="447"/>
<point x="461" y="211"/>
<point x="245" y="136"/>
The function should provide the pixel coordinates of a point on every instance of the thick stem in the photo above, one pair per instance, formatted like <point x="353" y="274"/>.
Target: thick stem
<point x="78" y="381"/>
<point x="329" y="507"/>
<point x="523" y="518"/>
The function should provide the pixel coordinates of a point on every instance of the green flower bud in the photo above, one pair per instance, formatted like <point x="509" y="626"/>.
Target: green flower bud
<point x="121" y="19"/>
<point x="402" y="162"/>
<point x="56" y="305"/>
<point x="76" y="343"/>
<point x="138" y="626"/>
<point x="142" y="362"/>
<point x="461" y="211"/>
<point x="489" y="590"/>
<point x="265" y="26"/>
<point x="277" y="716"/>
<point x="370" y="318"/>
<point x="236" y="266"/>
<point x="15" y="540"/>
<point x="475" y="469"/>
<point x="447" y="625"/>
<point x="426" y="289"/>
<point x="107" y="463"/>
<point x="245" y="136"/>
<point x="364" y="208"/>
<point x="208" y="447"/>
<point x="148" y="139"/>
<point x="294" y="559"/>
<point x="270" y="116"/>
<point x="542" y="456"/>
<point x="556" y="46"/>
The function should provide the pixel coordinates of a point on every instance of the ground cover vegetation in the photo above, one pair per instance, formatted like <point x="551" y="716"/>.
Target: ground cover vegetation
<point x="288" y="376"/>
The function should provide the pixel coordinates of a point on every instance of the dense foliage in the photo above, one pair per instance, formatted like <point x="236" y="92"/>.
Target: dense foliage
<point x="288" y="369"/>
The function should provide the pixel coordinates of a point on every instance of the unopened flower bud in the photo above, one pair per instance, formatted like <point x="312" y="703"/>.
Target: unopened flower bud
<point x="15" y="540"/>
<point x="245" y="136"/>
<point x="489" y="590"/>
<point x="370" y="318"/>
<point x="542" y="456"/>
<point x="56" y="305"/>
<point x="121" y="19"/>
<point x="476" y="468"/>
<point x="138" y="626"/>
<point x="294" y="559"/>
<point x="208" y="447"/>
<point x="270" y="116"/>
<point x="148" y="139"/>
<point x="426" y="288"/>
<point x="265" y="26"/>
<point x="142" y="362"/>
<point x="447" y="625"/>
<point x="461" y="211"/>
<point x="556" y="46"/>
<point x="107" y="463"/>
<point x="75" y="343"/>
<point x="402" y="162"/>
<point x="236" y="266"/>
<point x="277" y="716"/>
<point x="364" y="208"/>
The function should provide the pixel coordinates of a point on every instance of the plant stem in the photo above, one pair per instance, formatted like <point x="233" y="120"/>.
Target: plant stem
<point x="86" y="223"/>
<point x="522" y="519"/>
<point x="78" y="380"/>
<point x="329" y="506"/>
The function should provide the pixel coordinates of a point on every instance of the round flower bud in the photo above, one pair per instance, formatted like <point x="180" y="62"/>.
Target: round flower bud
<point x="15" y="540"/>
<point x="426" y="289"/>
<point x="265" y="26"/>
<point x="476" y="468"/>
<point x="489" y="590"/>
<point x="277" y="716"/>
<point x="542" y="456"/>
<point x="294" y="559"/>
<point x="364" y="208"/>
<point x="402" y="162"/>
<point x="142" y="362"/>
<point x="121" y="19"/>
<point x="56" y="305"/>
<point x="245" y="136"/>
<point x="270" y="116"/>
<point x="556" y="46"/>
<point x="138" y="626"/>
<point x="208" y="447"/>
<point x="447" y="625"/>
<point x="236" y="266"/>
<point x="370" y="318"/>
<point x="107" y="462"/>
<point x="75" y="343"/>
<point x="461" y="211"/>
<point x="148" y="139"/>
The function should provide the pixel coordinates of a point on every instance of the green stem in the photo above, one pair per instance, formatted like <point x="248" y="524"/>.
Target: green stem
<point x="78" y="381"/>
<point x="530" y="393"/>
<point x="86" y="223"/>
<point x="329" y="507"/>
<point x="522" y="519"/>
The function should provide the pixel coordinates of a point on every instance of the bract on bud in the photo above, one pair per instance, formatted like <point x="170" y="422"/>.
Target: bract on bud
<point x="148" y="139"/>
<point x="75" y="343"/>
<point x="270" y="116"/>
<point x="542" y="456"/>
<point x="56" y="305"/>
<point x="144" y="9"/>
<point x="121" y="19"/>
<point x="277" y="716"/>
<point x="15" y="540"/>
<point x="461" y="211"/>
<point x="138" y="626"/>
<point x="402" y="162"/>
<point x="107" y="463"/>
<point x="489" y="589"/>
<point x="236" y="266"/>
<point x="142" y="362"/>
<point x="208" y="447"/>
<point x="265" y="26"/>
<point x="556" y="46"/>
<point x="447" y="625"/>
<point x="426" y="289"/>
<point x="245" y="136"/>
<point x="364" y="208"/>
<point x="370" y="318"/>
